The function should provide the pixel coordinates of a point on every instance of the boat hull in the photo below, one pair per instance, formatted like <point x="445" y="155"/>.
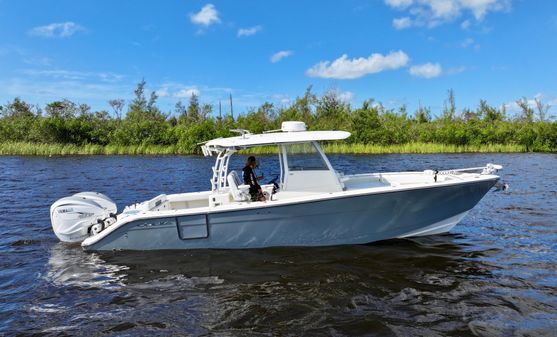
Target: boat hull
<point x="352" y="219"/>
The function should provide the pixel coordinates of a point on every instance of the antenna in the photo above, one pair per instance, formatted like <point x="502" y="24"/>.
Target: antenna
<point x="220" y="111"/>
<point x="231" y="108"/>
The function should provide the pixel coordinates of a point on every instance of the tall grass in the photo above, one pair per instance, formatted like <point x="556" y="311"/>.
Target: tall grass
<point x="33" y="149"/>
<point x="344" y="148"/>
<point x="419" y="148"/>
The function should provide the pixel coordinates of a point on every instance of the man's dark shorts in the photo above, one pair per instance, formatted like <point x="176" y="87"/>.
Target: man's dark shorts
<point x="256" y="196"/>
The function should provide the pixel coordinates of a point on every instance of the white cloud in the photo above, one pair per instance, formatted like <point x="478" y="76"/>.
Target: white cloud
<point x="443" y="9"/>
<point x="341" y="96"/>
<point x="179" y="90"/>
<point x="207" y="16"/>
<point x="480" y="7"/>
<point x="400" y="4"/>
<point x="40" y="87"/>
<point x="345" y="68"/>
<point x="61" y="29"/>
<point x="281" y="98"/>
<point x="427" y="70"/>
<point x="346" y="96"/>
<point x="186" y="92"/>
<point x="162" y="92"/>
<point x="431" y="13"/>
<point x="249" y="31"/>
<point x="402" y="23"/>
<point x="276" y="57"/>
<point x="545" y="99"/>
<point x="42" y="90"/>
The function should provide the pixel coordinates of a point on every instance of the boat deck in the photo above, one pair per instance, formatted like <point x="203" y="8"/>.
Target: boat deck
<point x="207" y="199"/>
<point x="361" y="181"/>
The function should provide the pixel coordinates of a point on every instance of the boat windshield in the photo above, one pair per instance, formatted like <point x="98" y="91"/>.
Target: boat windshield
<point x="304" y="157"/>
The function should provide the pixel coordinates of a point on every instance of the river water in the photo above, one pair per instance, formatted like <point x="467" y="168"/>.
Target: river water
<point x="495" y="274"/>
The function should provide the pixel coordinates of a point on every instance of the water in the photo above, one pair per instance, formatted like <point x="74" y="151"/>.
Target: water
<point x="494" y="275"/>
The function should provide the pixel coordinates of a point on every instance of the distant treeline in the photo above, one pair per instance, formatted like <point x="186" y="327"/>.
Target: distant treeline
<point x="143" y="124"/>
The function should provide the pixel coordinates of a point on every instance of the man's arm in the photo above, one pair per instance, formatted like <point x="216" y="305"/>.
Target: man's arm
<point x="254" y="180"/>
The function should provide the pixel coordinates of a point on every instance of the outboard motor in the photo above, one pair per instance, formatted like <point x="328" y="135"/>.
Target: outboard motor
<point x="83" y="214"/>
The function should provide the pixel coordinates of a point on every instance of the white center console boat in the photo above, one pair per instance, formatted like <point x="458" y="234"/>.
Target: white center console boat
<point x="314" y="205"/>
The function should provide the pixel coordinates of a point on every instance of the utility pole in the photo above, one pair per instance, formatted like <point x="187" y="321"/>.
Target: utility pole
<point x="220" y="111"/>
<point x="231" y="109"/>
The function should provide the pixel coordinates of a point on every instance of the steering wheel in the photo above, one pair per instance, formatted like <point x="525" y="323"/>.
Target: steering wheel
<point x="275" y="185"/>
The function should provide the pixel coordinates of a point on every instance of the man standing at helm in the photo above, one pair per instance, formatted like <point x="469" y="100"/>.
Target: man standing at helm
<point x="251" y="179"/>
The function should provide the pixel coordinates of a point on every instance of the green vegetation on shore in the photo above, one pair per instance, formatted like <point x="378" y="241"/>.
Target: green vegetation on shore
<point x="66" y="128"/>
<point x="34" y="149"/>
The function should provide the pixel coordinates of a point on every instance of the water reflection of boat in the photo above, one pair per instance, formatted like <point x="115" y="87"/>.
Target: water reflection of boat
<point x="70" y="266"/>
<point x="197" y="269"/>
<point x="310" y="205"/>
<point x="178" y="271"/>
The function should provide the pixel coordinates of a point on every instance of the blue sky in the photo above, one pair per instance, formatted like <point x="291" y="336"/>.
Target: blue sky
<point x="394" y="51"/>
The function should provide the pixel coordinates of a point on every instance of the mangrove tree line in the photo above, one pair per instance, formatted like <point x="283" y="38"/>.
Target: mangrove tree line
<point x="141" y="122"/>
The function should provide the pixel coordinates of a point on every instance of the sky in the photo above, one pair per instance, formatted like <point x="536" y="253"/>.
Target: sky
<point x="397" y="52"/>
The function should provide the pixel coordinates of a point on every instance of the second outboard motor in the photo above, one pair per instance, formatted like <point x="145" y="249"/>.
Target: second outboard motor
<point x="83" y="214"/>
